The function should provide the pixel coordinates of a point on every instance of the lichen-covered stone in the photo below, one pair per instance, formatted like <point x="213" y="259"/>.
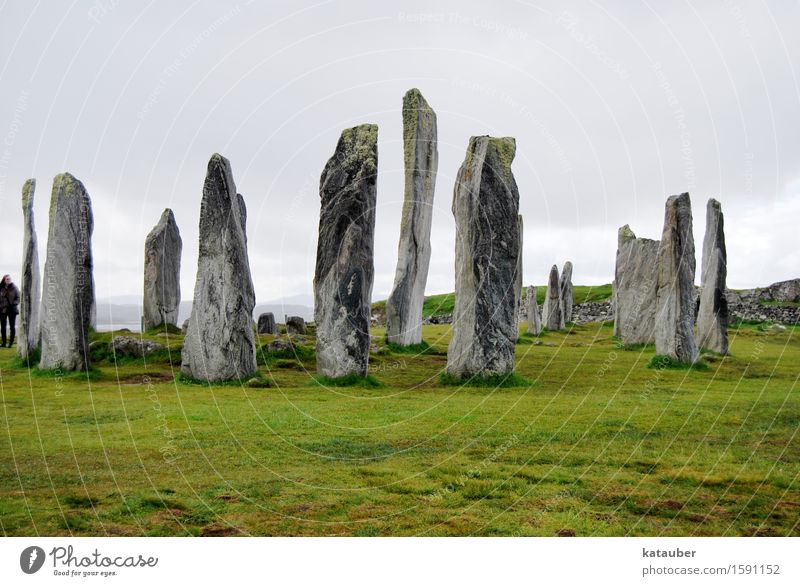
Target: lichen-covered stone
<point x="134" y="347"/>
<point x="565" y="284"/>
<point x="712" y="318"/>
<point x="162" y="273"/>
<point x="404" y="306"/>
<point x="220" y="340"/>
<point x="675" y="297"/>
<point x="634" y="288"/>
<point x="553" y="306"/>
<point x="534" y="319"/>
<point x="68" y="284"/>
<point x="295" y="325"/>
<point x="518" y="277"/>
<point x="266" y="323"/>
<point x="344" y="269"/>
<point x="30" y="285"/>
<point x="485" y="206"/>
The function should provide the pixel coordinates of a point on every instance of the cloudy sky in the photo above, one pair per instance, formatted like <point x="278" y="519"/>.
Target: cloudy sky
<point x="614" y="105"/>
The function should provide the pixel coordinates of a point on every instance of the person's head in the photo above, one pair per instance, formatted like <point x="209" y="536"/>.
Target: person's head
<point x="6" y="280"/>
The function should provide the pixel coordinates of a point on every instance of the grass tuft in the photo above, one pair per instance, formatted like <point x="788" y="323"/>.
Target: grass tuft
<point x="663" y="362"/>
<point x="504" y="381"/>
<point x="421" y="348"/>
<point x="351" y="380"/>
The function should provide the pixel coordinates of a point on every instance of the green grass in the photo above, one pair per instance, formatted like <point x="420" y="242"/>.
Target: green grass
<point x="350" y="380"/>
<point x="496" y="381"/>
<point x="599" y="445"/>
<point x="420" y="348"/>
<point x="661" y="361"/>
<point x="780" y="303"/>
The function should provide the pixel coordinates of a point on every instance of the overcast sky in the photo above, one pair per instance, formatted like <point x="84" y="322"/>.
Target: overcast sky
<point x="614" y="105"/>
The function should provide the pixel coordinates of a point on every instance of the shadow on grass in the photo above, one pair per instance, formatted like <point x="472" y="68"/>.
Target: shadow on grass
<point x="351" y="380"/>
<point x="662" y="362"/>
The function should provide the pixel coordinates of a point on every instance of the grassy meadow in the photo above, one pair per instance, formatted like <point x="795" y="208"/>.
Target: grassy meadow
<point x="591" y="443"/>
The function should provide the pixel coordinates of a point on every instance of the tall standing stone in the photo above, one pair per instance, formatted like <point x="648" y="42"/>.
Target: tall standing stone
<point x="712" y="319"/>
<point x="29" y="332"/>
<point x="634" y="288"/>
<point x="518" y="279"/>
<point x="485" y="206"/>
<point x="266" y="323"/>
<point x="553" y="306"/>
<point x="404" y="306"/>
<point x="162" y="273"/>
<point x="675" y="297"/>
<point x="534" y="319"/>
<point x="565" y="284"/>
<point x="68" y="284"/>
<point x="345" y="265"/>
<point x="220" y="342"/>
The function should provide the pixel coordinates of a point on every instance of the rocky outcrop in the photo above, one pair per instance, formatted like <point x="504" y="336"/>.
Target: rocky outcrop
<point x="534" y="320"/>
<point x="266" y="324"/>
<point x="675" y="295"/>
<point x="485" y="206"/>
<point x="162" y="273"/>
<point x="634" y="288"/>
<point x="68" y="295"/>
<point x="404" y="306"/>
<point x="712" y="317"/>
<point x="553" y="306"/>
<point x="133" y="347"/>
<point x="565" y="284"/>
<point x="345" y="267"/>
<point x="220" y="341"/>
<point x="295" y="325"/>
<point x="518" y="278"/>
<point x="30" y="286"/>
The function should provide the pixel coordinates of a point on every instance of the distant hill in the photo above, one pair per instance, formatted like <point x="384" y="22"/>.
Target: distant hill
<point x="443" y="303"/>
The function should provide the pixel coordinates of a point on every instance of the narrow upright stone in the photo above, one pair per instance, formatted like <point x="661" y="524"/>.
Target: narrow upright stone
<point x="220" y="341"/>
<point x="566" y="291"/>
<point x="712" y="319"/>
<point x="68" y="282"/>
<point x="485" y="206"/>
<point x="162" y="273"/>
<point x="345" y="266"/>
<point x="29" y="332"/>
<point x="518" y="279"/>
<point x="675" y="298"/>
<point x="634" y="288"/>
<point x="266" y="323"/>
<point x="553" y="306"/>
<point x="534" y="319"/>
<point x="404" y="306"/>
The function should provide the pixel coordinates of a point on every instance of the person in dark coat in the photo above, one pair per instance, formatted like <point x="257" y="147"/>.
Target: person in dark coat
<point x="9" y="308"/>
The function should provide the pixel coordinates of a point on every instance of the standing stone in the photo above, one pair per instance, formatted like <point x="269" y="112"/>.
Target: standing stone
<point x="534" y="320"/>
<point x="220" y="341"/>
<point x="295" y="325"/>
<point x="68" y="283"/>
<point x="565" y="284"/>
<point x="518" y="279"/>
<point x="553" y="307"/>
<point x="404" y="306"/>
<point x="485" y="206"/>
<point x="162" y="273"/>
<point x="712" y="319"/>
<point x="266" y="323"/>
<point x="675" y="295"/>
<point x="29" y="332"/>
<point x="634" y="288"/>
<point x="345" y="265"/>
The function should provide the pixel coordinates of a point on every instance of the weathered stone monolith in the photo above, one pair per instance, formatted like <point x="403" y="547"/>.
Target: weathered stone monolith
<point x="675" y="297"/>
<point x="553" y="306"/>
<point x="220" y="341"/>
<point x="518" y="279"/>
<point x="345" y="267"/>
<point x="295" y="325"/>
<point x="404" y="306"/>
<point x="266" y="323"/>
<point x="712" y="319"/>
<point x="30" y="285"/>
<point x="68" y="284"/>
<point x="565" y="284"/>
<point x="485" y="206"/>
<point x="634" y="288"/>
<point x="162" y="273"/>
<point x="534" y="319"/>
